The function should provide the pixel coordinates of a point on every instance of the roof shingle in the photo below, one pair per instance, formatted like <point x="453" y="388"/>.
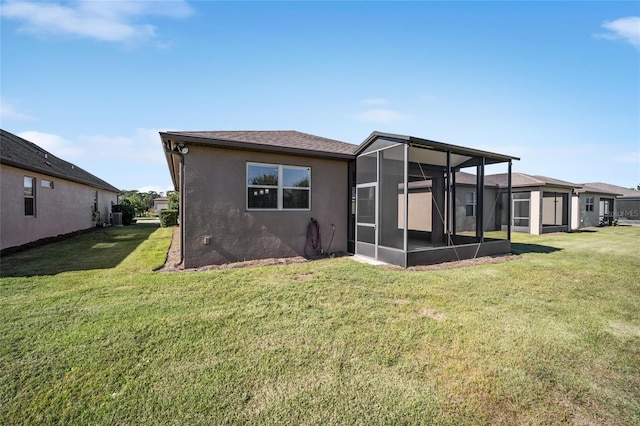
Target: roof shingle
<point x="269" y="140"/>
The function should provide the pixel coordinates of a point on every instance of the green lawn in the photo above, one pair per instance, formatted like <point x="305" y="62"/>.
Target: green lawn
<point x="551" y="337"/>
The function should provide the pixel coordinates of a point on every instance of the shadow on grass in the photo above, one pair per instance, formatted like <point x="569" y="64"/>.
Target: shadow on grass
<point x="521" y="248"/>
<point x="100" y="249"/>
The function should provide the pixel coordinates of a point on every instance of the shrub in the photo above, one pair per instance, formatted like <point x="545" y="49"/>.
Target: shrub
<point x="127" y="210"/>
<point x="168" y="218"/>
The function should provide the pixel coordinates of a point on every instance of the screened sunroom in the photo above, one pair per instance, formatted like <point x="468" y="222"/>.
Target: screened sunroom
<point x="421" y="202"/>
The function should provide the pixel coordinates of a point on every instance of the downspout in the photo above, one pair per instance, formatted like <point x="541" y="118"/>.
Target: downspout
<point x="181" y="205"/>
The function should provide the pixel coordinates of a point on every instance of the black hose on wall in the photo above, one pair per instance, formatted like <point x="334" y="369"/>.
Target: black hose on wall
<point x="313" y="244"/>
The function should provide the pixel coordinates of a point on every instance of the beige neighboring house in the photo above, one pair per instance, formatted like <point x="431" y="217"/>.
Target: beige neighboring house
<point x="43" y="196"/>
<point x="160" y="203"/>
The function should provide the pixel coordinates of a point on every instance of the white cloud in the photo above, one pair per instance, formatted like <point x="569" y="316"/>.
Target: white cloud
<point x="156" y="188"/>
<point x="127" y="162"/>
<point x="110" y="21"/>
<point x="385" y="116"/>
<point x="627" y="29"/>
<point x="375" y="101"/>
<point x="143" y="147"/>
<point x="9" y="113"/>
<point x="55" y="144"/>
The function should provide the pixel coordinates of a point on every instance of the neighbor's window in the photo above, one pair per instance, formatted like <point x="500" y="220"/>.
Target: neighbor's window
<point x="589" y="204"/>
<point x="46" y="183"/>
<point x="29" y="196"/>
<point x="277" y="187"/>
<point x="521" y="204"/>
<point x="470" y="204"/>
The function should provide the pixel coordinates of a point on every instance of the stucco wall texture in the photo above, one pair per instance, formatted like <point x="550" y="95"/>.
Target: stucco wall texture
<point x="65" y="208"/>
<point x="217" y="226"/>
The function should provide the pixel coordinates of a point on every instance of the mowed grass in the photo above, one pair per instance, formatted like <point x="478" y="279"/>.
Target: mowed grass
<point x="549" y="338"/>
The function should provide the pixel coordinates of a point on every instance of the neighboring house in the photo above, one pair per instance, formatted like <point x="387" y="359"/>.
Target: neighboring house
<point x="261" y="194"/>
<point x="160" y="203"/>
<point x="627" y="202"/>
<point x="539" y="204"/>
<point x="593" y="206"/>
<point x="44" y="196"/>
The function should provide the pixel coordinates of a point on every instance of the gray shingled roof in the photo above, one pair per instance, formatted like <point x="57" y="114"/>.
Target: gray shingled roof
<point x="522" y="180"/>
<point x="612" y="189"/>
<point x="289" y="141"/>
<point x="20" y="153"/>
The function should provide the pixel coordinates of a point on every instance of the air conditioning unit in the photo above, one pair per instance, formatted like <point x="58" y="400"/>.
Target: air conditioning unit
<point x="116" y="219"/>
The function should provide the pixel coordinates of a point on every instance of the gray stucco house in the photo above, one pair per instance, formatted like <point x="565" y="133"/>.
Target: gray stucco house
<point x="593" y="206"/>
<point x="256" y="194"/>
<point x="249" y="195"/>
<point x="43" y="196"/>
<point x="626" y="209"/>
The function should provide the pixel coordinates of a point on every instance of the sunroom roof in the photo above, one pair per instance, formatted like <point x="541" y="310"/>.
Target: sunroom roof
<point x="432" y="152"/>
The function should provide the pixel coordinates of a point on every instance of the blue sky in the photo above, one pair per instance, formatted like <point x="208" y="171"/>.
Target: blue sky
<point x="555" y="83"/>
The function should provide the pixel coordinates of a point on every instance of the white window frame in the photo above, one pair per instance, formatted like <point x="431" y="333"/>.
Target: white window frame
<point x="589" y="204"/>
<point x="528" y="217"/>
<point x="472" y="204"/>
<point x="32" y="196"/>
<point x="279" y="188"/>
<point x="44" y="183"/>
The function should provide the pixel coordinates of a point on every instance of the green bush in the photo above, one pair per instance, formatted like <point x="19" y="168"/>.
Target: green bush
<point x="127" y="211"/>
<point x="168" y="218"/>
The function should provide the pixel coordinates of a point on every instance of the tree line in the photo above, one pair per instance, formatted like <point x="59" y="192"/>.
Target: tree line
<point x="142" y="202"/>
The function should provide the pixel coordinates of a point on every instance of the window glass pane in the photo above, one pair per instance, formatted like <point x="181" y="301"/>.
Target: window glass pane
<point x="260" y="174"/>
<point x="469" y="209"/>
<point x="366" y="204"/>
<point x="28" y="207"/>
<point x="28" y="186"/>
<point x="521" y="208"/>
<point x="295" y="199"/>
<point x="521" y="195"/>
<point x="521" y="222"/>
<point x="46" y="183"/>
<point x="295" y="177"/>
<point x="470" y="197"/>
<point x="262" y="198"/>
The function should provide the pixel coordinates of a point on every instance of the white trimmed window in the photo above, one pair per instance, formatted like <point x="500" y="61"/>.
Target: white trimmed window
<point x="278" y="187"/>
<point x="589" y="203"/>
<point x="46" y="183"/>
<point x="29" y="196"/>
<point x="470" y="204"/>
